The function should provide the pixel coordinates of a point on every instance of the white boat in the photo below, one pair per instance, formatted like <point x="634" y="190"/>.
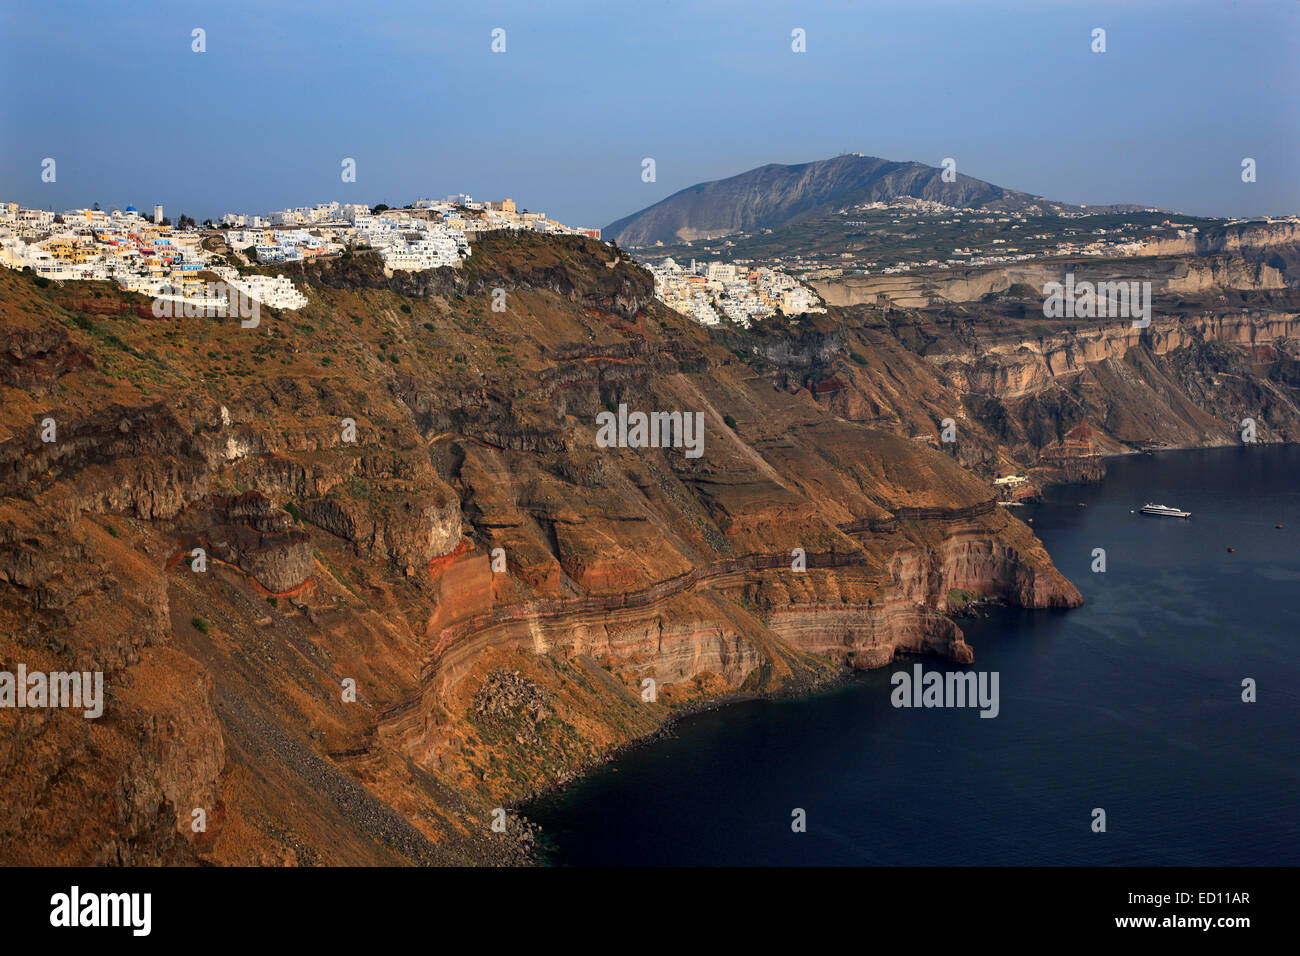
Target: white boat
<point x="1164" y="511"/>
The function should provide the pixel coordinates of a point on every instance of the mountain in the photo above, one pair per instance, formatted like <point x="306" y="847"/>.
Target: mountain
<point x="773" y="195"/>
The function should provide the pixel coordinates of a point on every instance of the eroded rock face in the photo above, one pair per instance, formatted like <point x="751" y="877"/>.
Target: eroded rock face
<point x="259" y="538"/>
<point x="983" y="565"/>
<point x="1221" y="346"/>
<point x="871" y="636"/>
<point x="279" y="561"/>
<point x="35" y="359"/>
<point x="1015" y="369"/>
<point x="146" y="460"/>
<point x="409" y="532"/>
<point x="428" y="590"/>
<point x="1052" y="399"/>
<point x="1174" y="268"/>
<point x="582" y="271"/>
<point x="118" y="788"/>
<point x="174" y="773"/>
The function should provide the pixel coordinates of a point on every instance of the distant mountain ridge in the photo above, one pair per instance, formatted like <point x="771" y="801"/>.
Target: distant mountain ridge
<point x="774" y="195"/>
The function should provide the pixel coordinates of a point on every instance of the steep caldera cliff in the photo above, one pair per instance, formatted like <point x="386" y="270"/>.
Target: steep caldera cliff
<point x="1219" y="360"/>
<point x="361" y="574"/>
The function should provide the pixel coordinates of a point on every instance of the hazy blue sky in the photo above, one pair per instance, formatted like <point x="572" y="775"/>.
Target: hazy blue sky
<point x="585" y="90"/>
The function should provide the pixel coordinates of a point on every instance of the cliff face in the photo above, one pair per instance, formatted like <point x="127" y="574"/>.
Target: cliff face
<point x="1050" y="397"/>
<point x="362" y="574"/>
<point x="1187" y="275"/>
<point x="567" y="266"/>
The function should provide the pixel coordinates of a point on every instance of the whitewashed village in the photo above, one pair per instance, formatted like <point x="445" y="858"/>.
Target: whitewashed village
<point x="149" y="254"/>
<point x="709" y="291"/>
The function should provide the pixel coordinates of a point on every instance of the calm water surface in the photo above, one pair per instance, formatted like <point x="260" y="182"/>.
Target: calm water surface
<point x="1131" y="703"/>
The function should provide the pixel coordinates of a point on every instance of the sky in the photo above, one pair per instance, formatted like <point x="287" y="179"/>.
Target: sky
<point x="585" y="91"/>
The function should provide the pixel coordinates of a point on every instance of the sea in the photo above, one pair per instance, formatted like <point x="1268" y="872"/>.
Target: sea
<point x="1122" y="735"/>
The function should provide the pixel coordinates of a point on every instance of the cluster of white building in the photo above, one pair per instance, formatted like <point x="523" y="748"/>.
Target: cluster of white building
<point x="145" y="255"/>
<point x="270" y="245"/>
<point x="1119" y="241"/>
<point x="139" y="254"/>
<point x="710" y="291"/>
<point x="905" y="205"/>
<point x="428" y="234"/>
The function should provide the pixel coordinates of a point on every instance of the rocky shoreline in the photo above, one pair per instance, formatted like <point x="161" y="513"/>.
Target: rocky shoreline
<point x="663" y="731"/>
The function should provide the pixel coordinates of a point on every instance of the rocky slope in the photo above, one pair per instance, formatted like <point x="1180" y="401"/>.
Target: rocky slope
<point x="1051" y="397"/>
<point x="359" y="576"/>
<point x="1189" y="275"/>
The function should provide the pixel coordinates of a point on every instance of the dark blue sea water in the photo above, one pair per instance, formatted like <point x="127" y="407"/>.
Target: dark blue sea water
<point x="1131" y="703"/>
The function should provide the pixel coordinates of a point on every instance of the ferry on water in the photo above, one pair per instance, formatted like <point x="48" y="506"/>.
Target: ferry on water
<point x="1164" y="511"/>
